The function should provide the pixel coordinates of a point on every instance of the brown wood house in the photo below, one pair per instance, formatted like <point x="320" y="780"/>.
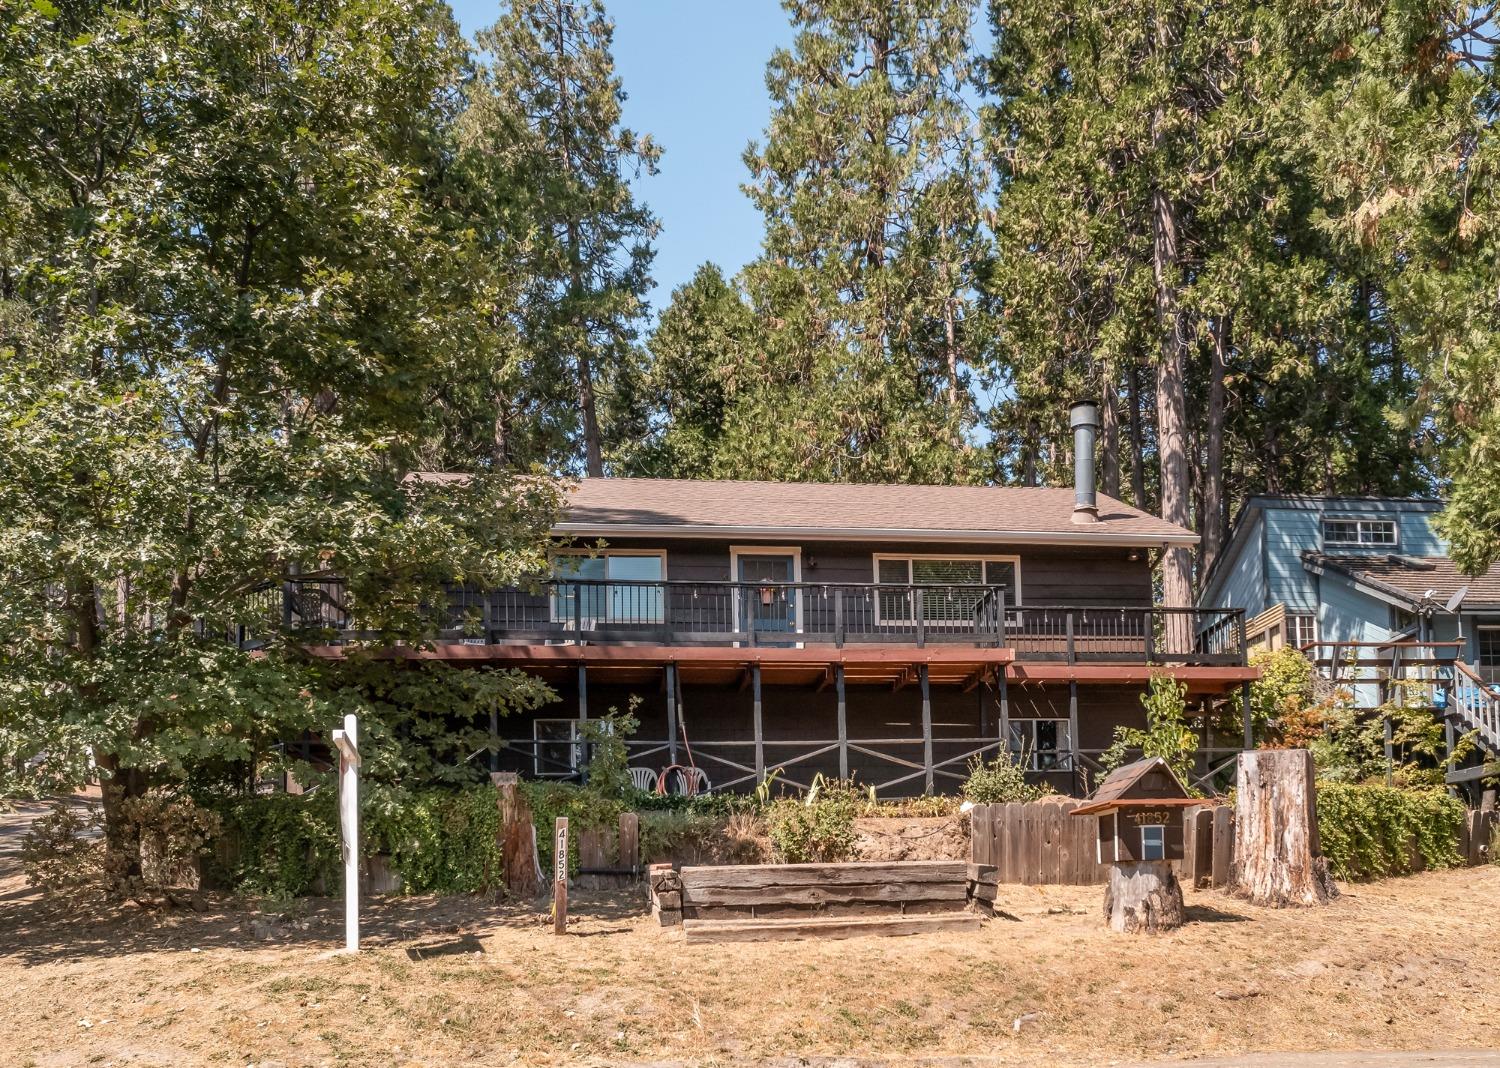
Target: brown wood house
<point x="889" y="633"/>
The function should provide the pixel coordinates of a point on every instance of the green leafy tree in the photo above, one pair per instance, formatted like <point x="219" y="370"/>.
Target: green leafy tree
<point x="1166" y="735"/>
<point x="872" y="197"/>
<point x="233" y="287"/>
<point x="704" y="340"/>
<point x="588" y="267"/>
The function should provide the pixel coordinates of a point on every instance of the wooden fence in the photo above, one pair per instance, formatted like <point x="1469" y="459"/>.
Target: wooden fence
<point x="1037" y="844"/>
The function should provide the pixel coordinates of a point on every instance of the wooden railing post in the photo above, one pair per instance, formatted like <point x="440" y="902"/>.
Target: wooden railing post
<point x="750" y="600"/>
<point x="1072" y="653"/>
<point x="1146" y="634"/>
<point x="919" y="609"/>
<point x="838" y="618"/>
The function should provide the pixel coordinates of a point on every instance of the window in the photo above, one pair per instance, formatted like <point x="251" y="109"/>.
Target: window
<point x="971" y="574"/>
<point x="1487" y="642"/>
<point x="1351" y="531"/>
<point x="1301" y="629"/>
<point x="1153" y="842"/>
<point x="1041" y="744"/>
<point x="555" y="749"/>
<point x="638" y="598"/>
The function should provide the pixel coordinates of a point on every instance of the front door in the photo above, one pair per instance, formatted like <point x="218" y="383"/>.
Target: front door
<point x="765" y="595"/>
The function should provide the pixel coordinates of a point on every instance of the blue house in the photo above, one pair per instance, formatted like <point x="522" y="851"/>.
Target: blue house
<point x="1365" y="587"/>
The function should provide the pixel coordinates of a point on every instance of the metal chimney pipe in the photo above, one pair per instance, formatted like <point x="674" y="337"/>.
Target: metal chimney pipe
<point x="1083" y="416"/>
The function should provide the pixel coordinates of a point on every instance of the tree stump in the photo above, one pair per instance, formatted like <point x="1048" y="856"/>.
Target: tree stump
<point x="1143" y="897"/>
<point x="522" y="872"/>
<point x="1277" y="859"/>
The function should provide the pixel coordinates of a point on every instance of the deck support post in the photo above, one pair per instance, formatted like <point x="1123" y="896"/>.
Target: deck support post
<point x="1073" y="730"/>
<point x="583" y="715"/>
<point x="1004" y="714"/>
<point x="671" y="670"/>
<point x="926" y="726"/>
<point x="838" y="682"/>
<point x="760" y="734"/>
<point x="1245" y="716"/>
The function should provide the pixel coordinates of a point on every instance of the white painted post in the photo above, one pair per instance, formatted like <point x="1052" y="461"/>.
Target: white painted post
<point x="347" y="742"/>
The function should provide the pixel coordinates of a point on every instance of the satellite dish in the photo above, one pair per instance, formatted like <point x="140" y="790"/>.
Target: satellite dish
<point x="1451" y="605"/>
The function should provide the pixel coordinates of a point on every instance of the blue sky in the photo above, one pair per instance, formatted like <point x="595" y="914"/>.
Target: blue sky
<point x="694" y="74"/>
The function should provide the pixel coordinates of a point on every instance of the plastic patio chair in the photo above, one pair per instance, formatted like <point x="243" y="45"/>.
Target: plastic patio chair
<point x="643" y="779"/>
<point x="691" y="781"/>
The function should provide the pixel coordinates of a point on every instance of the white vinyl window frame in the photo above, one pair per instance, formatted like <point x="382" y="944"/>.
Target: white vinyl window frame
<point x="1365" y="532"/>
<point x="604" y="554"/>
<point x="794" y="551"/>
<point x="967" y="558"/>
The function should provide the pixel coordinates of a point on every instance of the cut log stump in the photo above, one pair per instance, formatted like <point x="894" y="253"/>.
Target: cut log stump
<point x="1277" y="859"/>
<point x="1143" y="897"/>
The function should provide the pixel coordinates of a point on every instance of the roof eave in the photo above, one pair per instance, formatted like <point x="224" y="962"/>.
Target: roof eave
<point x="1010" y="537"/>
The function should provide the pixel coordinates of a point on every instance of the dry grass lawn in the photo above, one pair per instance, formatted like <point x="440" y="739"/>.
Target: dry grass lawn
<point x="1403" y="964"/>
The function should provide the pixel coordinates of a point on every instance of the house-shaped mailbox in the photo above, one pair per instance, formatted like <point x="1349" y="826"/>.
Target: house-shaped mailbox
<point x="1140" y="813"/>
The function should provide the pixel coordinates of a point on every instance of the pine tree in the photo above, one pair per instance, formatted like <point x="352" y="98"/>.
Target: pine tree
<point x="704" y="339"/>
<point x="872" y="194"/>
<point x="589" y="269"/>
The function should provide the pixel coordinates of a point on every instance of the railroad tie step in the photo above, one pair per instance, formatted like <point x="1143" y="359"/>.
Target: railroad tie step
<point x="766" y="930"/>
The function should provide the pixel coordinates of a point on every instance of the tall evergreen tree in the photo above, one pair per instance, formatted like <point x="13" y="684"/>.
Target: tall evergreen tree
<point x="872" y="195"/>
<point x="1154" y="209"/>
<point x="704" y="339"/>
<point x="589" y="270"/>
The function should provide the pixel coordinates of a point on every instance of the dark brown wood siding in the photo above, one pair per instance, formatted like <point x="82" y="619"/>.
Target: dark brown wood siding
<point x="1050" y="575"/>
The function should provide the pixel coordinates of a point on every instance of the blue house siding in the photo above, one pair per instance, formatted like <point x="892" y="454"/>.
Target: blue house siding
<point x="1244" y="578"/>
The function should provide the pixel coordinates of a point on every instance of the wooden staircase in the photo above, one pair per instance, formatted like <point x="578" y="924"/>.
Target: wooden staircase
<point x="1474" y="707"/>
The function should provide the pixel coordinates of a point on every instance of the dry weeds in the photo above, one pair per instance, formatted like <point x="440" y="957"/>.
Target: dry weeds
<point x="1403" y="964"/>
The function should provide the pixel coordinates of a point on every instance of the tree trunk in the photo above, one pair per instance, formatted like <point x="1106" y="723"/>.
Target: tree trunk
<point x="1137" y="438"/>
<point x="522" y="874"/>
<point x="1214" y="519"/>
<point x="1110" y="420"/>
<point x="1171" y="405"/>
<point x="1143" y="897"/>
<point x="1277" y="860"/>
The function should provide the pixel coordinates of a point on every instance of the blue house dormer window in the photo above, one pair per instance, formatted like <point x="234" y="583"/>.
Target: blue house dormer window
<point x="1348" y="530"/>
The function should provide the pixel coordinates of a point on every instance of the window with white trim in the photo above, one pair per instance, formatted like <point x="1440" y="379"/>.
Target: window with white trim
<point x="1301" y="629"/>
<point x="1350" y="530"/>
<point x="1041" y="744"/>
<point x="628" y="602"/>
<point x="1153" y="842"/>
<point x="965" y="580"/>
<point x="1487" y="644"/>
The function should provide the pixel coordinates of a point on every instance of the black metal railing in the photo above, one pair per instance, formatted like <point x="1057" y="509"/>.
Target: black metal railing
<point x="681" y="613"/>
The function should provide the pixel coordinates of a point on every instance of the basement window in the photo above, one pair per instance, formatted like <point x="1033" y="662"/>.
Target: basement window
<point x="555" y="748"/>
<point x="1153" y="842"/>
<point x="1347" y="530"/>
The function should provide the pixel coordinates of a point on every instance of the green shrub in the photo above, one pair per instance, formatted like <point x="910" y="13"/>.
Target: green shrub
<point x="819" y="827"/>
<point x="1167" y="734"/>
<point x="584" y="806"/>
<point x="283" y="845"/>
<point x="1370" y="831"/>
<point x="998" y="782"/>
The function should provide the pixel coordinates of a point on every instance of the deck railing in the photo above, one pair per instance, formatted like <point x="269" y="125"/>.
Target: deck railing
<point x="749" y="614"/>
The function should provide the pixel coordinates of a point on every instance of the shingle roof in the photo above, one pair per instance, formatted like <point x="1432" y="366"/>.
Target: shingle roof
<point x="1411" y="577"/>
<point x="682" y="507"/>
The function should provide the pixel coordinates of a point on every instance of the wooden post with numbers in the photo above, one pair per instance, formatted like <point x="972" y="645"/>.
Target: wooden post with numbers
<point x="560" y="877"/>
<point x="346" y="741"/>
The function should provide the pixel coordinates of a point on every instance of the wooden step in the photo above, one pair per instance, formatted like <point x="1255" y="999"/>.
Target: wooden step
<point x="759" y="930"/>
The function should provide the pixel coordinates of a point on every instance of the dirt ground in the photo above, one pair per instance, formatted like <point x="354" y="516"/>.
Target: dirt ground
<point x="1404" y="964"/>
